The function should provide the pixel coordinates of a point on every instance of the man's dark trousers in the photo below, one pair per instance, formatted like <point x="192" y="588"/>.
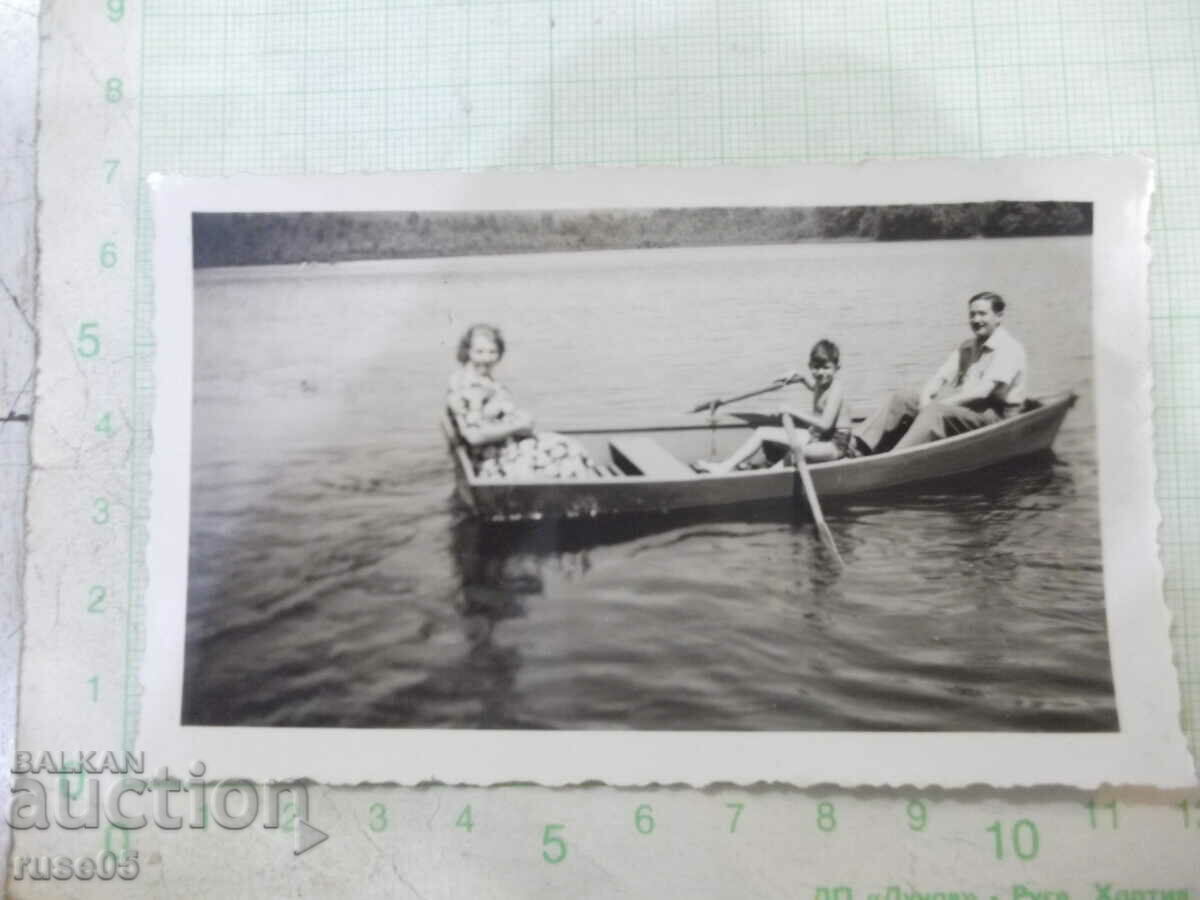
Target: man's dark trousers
<point x="901" y="422"/>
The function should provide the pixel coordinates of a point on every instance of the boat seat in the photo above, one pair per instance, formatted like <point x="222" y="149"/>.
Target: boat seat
<point x="644" y="455"/>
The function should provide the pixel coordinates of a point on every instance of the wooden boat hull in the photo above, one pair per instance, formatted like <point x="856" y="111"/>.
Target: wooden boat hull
<point x="1028" y="433"/>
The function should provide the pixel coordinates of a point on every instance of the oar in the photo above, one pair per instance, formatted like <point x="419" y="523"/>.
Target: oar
<point x="713" y="404"/>
<point x="810" y="491"/>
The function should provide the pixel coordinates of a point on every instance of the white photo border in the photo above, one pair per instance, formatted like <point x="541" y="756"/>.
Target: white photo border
<point x="1149" y="748"/>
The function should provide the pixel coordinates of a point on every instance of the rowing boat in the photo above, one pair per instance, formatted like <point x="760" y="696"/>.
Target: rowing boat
<point x="648" y="468"/>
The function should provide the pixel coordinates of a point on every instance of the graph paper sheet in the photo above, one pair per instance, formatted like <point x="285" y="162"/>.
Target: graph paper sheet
<point x="278" y="88"/>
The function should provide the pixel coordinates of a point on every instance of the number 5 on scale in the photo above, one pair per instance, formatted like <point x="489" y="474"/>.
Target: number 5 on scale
<point x="87" y="344"/>
<point x="550" y="840"/>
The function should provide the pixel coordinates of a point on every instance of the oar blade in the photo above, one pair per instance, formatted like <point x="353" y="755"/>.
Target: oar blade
<point x="830" y="543"/>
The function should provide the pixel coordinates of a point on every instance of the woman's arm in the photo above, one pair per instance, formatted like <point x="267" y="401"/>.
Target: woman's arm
<point x="518" y="424"/>
<point x="484" y="414"/>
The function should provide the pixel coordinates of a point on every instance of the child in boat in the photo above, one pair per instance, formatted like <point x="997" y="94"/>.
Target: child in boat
<point x="820" y="442"/>
<point x="500" y="437"/>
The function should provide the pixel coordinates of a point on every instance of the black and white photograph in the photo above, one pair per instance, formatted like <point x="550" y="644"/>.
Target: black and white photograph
<point x="647" y="468"/>
<point x="445" y="473"/>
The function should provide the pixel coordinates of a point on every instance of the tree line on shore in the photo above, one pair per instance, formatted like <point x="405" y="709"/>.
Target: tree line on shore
<point x="233" y="239"/>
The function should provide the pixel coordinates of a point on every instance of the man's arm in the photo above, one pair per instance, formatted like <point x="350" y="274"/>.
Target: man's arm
<point x="1005" y="367"/>
<point x="979" y="389"/>
<point x="943" y="376"/>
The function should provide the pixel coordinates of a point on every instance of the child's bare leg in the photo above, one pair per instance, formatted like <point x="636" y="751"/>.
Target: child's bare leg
<point x="821" y="451"/>
<point x="748" y="448"/>
<point x="802" y="440"/>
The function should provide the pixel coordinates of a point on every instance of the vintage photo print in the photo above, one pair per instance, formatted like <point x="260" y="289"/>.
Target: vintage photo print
<point x="804" y="475"/>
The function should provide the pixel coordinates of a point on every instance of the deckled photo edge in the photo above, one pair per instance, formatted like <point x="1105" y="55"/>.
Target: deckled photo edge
<point x="1151" y="751"/>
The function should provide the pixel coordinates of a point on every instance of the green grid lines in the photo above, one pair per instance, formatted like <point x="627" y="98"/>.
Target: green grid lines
<point x="279" y="87"/>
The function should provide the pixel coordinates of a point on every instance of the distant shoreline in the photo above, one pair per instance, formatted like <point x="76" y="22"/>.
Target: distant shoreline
<point x="248" y="239"/>
<point x="549" y="260"/>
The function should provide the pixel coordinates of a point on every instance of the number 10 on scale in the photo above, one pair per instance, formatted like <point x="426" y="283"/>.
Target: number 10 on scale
<point x="1021" y="840"/>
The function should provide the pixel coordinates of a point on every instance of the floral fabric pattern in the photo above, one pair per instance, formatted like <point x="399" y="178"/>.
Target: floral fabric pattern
<point x="476" y="400"/>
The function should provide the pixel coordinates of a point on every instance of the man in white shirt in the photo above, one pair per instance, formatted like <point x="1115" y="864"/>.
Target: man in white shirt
<point x="981" y="382"/>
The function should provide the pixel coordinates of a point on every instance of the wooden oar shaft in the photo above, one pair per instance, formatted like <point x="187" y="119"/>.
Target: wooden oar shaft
<point x="713" y="404"/>
<point x="810" y="491"/>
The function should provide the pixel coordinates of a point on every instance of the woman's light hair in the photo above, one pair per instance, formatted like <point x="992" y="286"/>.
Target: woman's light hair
<point x="464" y="345"/>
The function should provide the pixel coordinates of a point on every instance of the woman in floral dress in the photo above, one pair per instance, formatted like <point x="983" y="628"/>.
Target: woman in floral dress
<point x="501" y="439"/>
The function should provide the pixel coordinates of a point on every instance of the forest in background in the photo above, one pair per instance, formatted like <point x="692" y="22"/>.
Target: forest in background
<point x="238" y="239"/>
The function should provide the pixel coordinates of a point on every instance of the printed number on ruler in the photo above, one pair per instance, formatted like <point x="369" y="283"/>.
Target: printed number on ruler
<point x="643" y="819"/>
<point x="1191" y="813"/>
<point x="1102" y="815"/>
<point x="377" y="817"/>
<point x="97" y="594"/>
<point x="1021" y="838"/>
<point x="918" y="815"/>
<point x="464" y="820"/>
<point x="99" y="346"/>
<point x="555" y="847"/>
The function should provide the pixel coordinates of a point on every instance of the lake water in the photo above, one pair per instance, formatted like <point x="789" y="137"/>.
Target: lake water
<point x="334" y="581"/>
